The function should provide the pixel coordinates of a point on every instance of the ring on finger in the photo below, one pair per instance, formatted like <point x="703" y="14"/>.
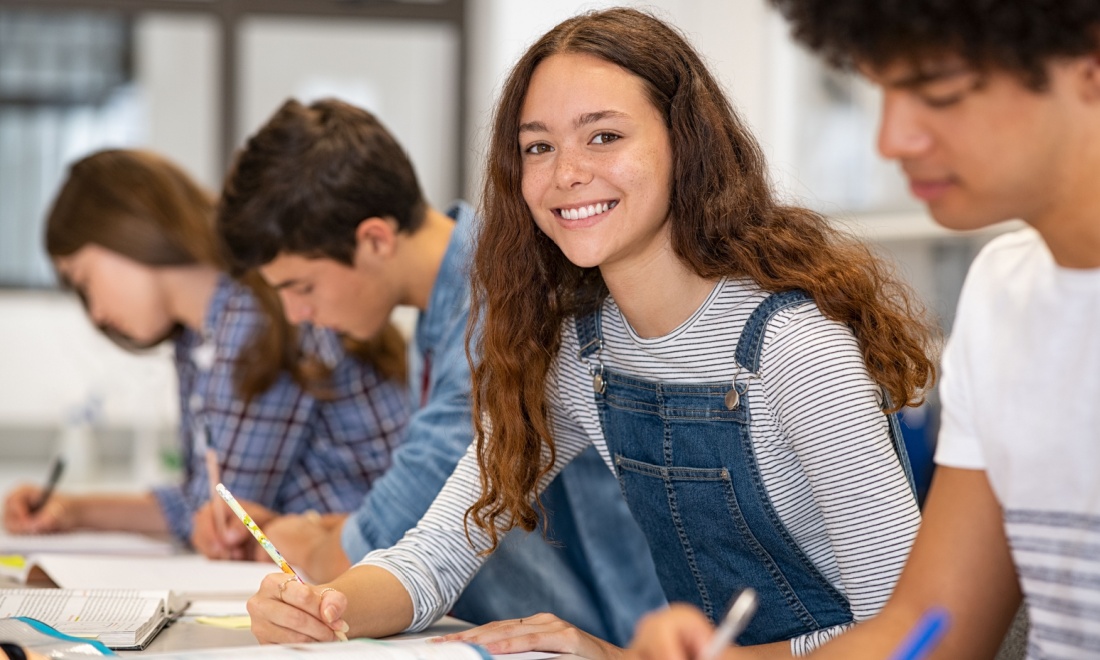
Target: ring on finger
<point x="282" y="587"/>
<point x="325" y="591"/>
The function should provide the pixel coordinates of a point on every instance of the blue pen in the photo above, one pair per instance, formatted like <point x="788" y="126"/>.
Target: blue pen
<point x="924" y="636"/>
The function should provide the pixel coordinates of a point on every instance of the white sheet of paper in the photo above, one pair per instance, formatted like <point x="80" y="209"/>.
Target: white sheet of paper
<point x="194" y="576"/>
<point x="89" y="543"/>
<point x="418" y="638"/>
<point x="237" y="607"/>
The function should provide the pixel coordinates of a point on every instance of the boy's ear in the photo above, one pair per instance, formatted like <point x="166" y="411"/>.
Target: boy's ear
<point x="375" y="239"/>
<point x="1090" y="76"/>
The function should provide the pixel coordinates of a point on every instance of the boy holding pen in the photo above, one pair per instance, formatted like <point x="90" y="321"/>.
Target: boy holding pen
<point x="324" y="203"/>
<point x="993" y="112"/>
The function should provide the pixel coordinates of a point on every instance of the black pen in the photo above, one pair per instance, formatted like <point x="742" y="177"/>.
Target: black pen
<point x="51" y="482"/>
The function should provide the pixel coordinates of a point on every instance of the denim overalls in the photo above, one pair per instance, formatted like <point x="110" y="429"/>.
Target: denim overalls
<point x="687" y="467"/>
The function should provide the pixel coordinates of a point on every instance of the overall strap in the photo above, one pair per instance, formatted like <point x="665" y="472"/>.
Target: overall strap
<point x="589" y="334"/>
<point x="752" y="335"/>
<point x="752" y="341"/>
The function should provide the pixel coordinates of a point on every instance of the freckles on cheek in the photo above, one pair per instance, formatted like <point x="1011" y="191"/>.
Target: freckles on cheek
<point x="529" y="185"/>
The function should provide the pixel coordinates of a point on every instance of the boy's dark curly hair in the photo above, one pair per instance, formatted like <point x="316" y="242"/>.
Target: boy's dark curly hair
<point x="1018" y="36"/>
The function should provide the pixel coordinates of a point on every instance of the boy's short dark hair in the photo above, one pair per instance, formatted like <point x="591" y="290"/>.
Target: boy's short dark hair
<point x="307" y="178"/>
<point x="1018" y="36"/>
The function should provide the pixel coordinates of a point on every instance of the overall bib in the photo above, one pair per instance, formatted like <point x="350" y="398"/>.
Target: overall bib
<point x="687" y="468"/>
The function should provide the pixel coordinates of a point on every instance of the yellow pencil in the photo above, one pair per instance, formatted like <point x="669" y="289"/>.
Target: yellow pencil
<point x="255" y="529"/>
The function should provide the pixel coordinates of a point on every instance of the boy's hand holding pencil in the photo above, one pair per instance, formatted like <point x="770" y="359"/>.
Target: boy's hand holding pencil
<point x="234" y="542"/>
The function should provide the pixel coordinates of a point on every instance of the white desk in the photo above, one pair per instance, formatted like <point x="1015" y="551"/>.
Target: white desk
<point x="185" y="634"/>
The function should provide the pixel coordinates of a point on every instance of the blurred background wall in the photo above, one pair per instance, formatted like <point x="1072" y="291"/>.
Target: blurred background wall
<point x="192" y="78"/>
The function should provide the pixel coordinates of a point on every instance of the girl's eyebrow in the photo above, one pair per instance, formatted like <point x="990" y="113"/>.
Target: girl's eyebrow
<point x="593" y="117"/>
<point x="581" y="121"/>
<point x="533" y="127"/>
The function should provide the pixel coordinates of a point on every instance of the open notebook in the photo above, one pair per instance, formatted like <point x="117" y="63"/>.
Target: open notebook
<point x="117" y="618"/>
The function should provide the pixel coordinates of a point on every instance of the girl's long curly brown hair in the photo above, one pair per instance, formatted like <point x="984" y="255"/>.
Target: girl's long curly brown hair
<point x="725" y="222"/>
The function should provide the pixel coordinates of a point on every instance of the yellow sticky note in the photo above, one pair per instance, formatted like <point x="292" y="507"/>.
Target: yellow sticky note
<point x="13" y="561"/>
<point x="231" y="622"/>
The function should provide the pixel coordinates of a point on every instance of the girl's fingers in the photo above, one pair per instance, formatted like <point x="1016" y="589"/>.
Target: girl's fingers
<point x="286" y="610"/>
<point x="541" y="632"/>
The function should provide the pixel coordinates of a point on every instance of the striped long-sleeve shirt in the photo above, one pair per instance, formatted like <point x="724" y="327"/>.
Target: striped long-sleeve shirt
<point x="821" y="442"/>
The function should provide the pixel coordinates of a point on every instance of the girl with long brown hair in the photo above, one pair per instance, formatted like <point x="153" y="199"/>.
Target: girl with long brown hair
<point x="295" y="422"/>
<point x="733" y="359"/>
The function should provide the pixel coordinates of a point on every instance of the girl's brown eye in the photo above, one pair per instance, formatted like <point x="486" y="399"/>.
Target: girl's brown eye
<point x="537" y="149"/>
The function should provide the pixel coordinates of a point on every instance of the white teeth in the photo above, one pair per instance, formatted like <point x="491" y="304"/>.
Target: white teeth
<point x="587" y="211"/>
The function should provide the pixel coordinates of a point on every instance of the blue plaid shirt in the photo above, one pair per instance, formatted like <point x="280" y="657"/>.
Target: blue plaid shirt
<point x="286" y="450"/>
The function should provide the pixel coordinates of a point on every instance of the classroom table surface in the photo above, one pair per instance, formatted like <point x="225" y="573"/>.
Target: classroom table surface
<point x="185" y="634"/>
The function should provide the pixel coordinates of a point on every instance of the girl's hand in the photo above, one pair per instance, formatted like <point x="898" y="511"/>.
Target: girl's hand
<point x="56" y="515"/>
<point x="541" y="632"/>
<point x="285" y="610"/>
<point x="679" y="633"/>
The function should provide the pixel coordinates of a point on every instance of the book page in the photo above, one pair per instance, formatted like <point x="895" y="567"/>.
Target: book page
<point x="118" y="613"/>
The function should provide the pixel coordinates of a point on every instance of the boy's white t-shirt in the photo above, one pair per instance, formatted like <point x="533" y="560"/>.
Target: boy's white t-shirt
<point x="1021" y="400"/>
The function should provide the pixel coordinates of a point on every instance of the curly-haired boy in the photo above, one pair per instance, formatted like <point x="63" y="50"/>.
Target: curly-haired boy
<point x="992" y="110"/>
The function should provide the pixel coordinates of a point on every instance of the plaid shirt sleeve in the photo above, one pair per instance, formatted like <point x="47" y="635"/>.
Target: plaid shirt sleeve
<point x="286" y="449"/>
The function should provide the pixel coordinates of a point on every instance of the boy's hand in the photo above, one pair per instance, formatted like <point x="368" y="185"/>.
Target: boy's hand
<point x="236" y="542"/>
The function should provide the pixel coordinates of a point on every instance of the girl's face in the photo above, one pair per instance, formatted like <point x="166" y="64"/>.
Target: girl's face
<point x="120" y="293"/>
<point x="597" y="162"/>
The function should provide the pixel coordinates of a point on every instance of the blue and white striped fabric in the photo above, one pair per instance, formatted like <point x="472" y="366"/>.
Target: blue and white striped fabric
<point x="1057" y="558"/>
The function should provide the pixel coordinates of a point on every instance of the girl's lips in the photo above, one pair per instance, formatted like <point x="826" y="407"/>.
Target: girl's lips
<point x="930" y="191"/>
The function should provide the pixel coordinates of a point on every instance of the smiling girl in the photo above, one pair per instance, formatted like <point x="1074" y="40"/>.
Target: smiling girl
<point x="296" y="423"/>
<point x="642" y="291"/>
